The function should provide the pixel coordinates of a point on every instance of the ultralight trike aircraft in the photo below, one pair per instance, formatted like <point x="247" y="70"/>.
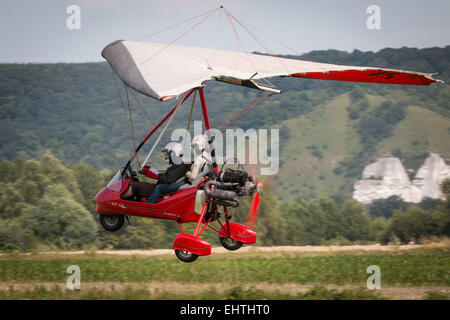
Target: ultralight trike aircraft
<point x="166" y="71"/>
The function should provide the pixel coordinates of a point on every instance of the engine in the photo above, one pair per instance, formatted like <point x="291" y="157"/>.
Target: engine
<point x="229" y="185"/>
<point x="239" y="180"/>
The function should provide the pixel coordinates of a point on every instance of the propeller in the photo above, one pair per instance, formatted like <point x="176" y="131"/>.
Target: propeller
<point x="252" y="169"/>
<point x="253" y="212"/>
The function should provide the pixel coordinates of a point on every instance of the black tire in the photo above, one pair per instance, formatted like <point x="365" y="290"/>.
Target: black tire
<point x="230" y="244"/>
<point x="112" y="222"/>
<point x="186" y="256"/>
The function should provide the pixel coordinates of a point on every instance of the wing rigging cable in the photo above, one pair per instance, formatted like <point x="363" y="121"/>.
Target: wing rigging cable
<point x="132" y="135"/>
<point x="179" y="37"/>
<point x="177" y="24"/>
<point x="258" y="40"/>
<point x="132" y="131"/>
<point x="165" y="128"/>
<point x="141" y="107"/>
<point x="238" y="115"/>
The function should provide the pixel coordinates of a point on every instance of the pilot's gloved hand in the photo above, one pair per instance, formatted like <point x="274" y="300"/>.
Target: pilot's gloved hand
<point x="144" y="167"/>
<point x="148" y="172"/>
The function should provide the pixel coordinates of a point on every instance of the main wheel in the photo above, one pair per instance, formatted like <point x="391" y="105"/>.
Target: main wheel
<point x="186" y="256"/>
<point x="230" y="244"/>
<point x="112" y="222"/>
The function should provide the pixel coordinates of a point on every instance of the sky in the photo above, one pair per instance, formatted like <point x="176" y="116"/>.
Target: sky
<point x="37" y="31"/>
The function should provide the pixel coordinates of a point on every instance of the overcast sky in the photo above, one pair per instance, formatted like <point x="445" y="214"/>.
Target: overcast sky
<point x="36" y="30"/>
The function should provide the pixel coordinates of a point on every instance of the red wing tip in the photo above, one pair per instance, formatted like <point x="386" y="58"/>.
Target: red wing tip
<point x="372" y="76"/>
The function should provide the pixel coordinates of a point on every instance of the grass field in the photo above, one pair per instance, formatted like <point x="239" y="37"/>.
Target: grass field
<point x="405" y="274"/>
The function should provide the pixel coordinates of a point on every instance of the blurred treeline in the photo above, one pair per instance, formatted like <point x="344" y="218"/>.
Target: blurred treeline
<point x="45" y="205"/>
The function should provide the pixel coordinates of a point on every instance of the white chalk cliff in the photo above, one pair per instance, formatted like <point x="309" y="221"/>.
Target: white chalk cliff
<point x="387" y="177"/>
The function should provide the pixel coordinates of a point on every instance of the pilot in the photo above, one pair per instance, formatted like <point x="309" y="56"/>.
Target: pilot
<point x="166" y="181"/>
<point x="173" y="178"/>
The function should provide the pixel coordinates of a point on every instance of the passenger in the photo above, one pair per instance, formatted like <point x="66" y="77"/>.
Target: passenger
<point x="202" y="157"/>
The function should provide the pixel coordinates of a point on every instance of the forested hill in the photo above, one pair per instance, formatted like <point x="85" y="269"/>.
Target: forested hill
<point x="329" y="130"/>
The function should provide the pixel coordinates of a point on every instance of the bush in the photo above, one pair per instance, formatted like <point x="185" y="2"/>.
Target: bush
<point x="60" y="221"/>
<point x="445" y="187"/>
<point x="415" y="224"/>
<point x="386" y="207"/>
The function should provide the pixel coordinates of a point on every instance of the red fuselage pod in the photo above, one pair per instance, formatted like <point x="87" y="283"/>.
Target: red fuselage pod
<point x="178" y="207"/>
<point x="238" y="232"/>
<point x="193" y="244"/>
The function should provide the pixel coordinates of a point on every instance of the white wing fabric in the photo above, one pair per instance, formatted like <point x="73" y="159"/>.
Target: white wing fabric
<point x="165" y="71"/>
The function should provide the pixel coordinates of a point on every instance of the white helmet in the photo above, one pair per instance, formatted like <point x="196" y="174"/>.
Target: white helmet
<point x="176" y="147"/>
<point x="201" y="141"/>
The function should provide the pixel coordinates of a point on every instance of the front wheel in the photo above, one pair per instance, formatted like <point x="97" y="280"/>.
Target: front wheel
<point x="230" y="244"/>
<point x="186" y="256"/>
<point x="112" y="222"/>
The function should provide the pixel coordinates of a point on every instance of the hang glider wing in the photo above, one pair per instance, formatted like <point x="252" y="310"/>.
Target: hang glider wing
<point x="164" y="71"/>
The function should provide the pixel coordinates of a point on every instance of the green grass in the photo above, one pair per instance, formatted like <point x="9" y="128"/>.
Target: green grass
<point x="241" y="276"/>
<point x="235" y="293"/>
<point x="413" y="268"/>
<point x="432" y="295"/>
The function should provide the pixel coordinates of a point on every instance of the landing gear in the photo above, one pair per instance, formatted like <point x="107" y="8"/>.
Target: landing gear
<point x="230" y="244"/>
<point x="112" y="222"/>
<point x="185" y="255"/>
